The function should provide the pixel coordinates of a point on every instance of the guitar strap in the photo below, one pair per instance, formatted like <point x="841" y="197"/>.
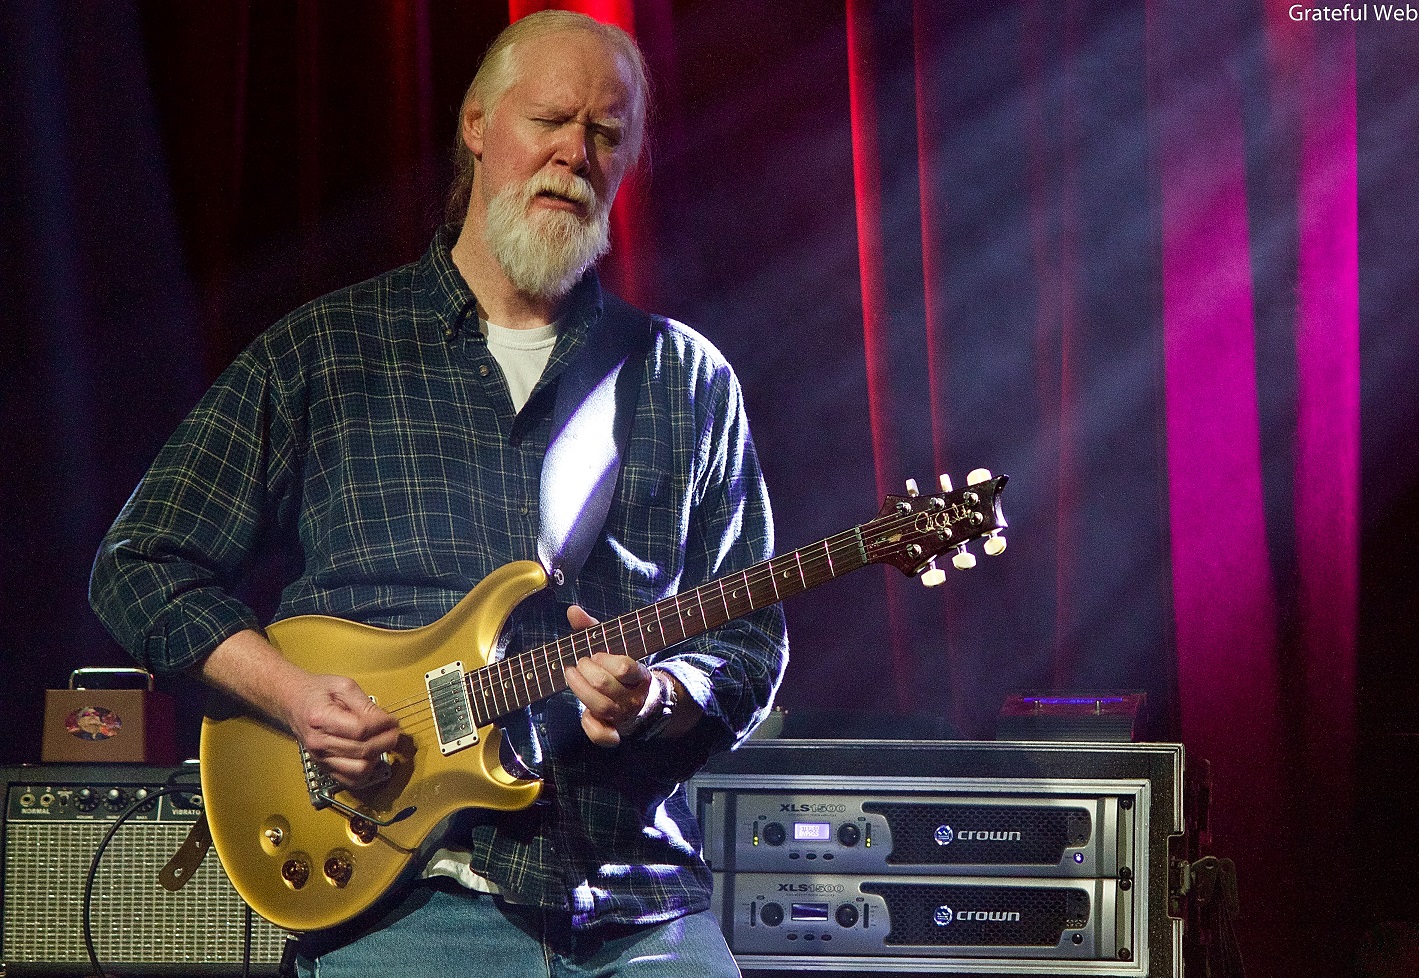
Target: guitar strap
<point x="591" y="428"/>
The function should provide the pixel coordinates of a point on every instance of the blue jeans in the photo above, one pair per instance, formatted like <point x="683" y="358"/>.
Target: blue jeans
<point x="450" y="932"/>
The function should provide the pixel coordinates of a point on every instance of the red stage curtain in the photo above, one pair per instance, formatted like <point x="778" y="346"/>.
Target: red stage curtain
<point x="1264" y="632"/>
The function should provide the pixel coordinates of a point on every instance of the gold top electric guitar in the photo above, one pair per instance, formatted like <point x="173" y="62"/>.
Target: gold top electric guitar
<point x="307" y="853"/>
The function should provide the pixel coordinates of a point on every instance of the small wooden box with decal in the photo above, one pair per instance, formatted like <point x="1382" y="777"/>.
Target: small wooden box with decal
<point x="98" y="720"/>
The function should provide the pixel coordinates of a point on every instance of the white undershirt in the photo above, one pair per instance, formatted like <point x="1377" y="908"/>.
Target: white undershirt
<point x="522" y="354"/>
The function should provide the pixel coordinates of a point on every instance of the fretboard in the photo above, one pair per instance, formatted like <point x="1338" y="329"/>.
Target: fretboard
<point x="520" y="680"/>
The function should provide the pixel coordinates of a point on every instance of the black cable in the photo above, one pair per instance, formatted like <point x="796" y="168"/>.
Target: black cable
<point x="246" y="941"/>
<point x="171" y="787"/>
<point x="88" y="921"/>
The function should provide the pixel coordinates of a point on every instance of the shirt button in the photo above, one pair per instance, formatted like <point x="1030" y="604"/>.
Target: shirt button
<point x="483" y="370"/>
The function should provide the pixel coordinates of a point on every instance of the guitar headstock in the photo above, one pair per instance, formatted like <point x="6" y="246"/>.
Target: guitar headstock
<point x="911" y="531"/>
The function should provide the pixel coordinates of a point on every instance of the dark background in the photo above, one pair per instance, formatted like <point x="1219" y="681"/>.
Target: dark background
<point x="174" y="177"/>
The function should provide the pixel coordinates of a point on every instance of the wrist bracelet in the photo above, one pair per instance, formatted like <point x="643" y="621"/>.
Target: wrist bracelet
<point x="656" y="723"/>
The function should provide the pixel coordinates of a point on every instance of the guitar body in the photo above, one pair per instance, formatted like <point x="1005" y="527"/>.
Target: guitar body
<point x="304" y="867"/>
<point x="307" y="854"/>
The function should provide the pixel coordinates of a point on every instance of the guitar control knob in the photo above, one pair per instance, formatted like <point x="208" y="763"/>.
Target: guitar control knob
<point x="362" y="830"/>
<point x="963" y="559"/>
<point x="339" y="869"/>
<point x="296" y="872"/>
<point x="994" y="544"/>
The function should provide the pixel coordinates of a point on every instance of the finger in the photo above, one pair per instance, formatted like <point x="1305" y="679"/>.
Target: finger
<point x="589" y="682"/>
<point x="616" y="679"/>
<point x="579" y="619"/>
<point x="598" y="732"/>
<point x="345" y="711"/>
<point x="623" y="669"/>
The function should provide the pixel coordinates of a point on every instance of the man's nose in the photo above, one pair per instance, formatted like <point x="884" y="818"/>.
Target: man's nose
<point x="572" y="149"/>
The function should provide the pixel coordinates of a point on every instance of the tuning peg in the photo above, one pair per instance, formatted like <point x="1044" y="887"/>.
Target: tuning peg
<point x="994" y="544"/>
<point x="912" y="489"/>
<point x="945" y="482"/>
<point x="963" y="558"/>
<point x="978" y="476"/>
<point x="933" y="575"/>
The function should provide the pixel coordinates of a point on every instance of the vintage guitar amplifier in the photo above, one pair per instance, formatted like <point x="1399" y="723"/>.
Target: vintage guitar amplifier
<point x="950" y="857"/>
<point x="55" y="817"/>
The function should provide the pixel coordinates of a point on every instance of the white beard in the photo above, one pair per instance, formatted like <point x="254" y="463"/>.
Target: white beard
<point x="545" y="252"/>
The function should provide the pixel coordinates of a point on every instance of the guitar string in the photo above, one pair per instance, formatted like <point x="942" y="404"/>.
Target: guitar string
<point x="505" y="682"/>
<point x="553" y="652"/>
<point x="755" y="577"/>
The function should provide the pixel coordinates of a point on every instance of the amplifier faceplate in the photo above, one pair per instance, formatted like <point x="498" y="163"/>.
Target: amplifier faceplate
<point x="54" y="822"/>
<point x="923" y="916"/>
<point x="1007" y="833"/>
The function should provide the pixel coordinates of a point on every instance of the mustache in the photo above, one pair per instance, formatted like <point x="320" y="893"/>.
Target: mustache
<point x="568" y="186"/>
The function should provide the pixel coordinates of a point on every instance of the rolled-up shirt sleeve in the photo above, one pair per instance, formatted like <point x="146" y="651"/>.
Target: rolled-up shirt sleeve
<point x="163" y="577"/>
<point x="732" y="672"/>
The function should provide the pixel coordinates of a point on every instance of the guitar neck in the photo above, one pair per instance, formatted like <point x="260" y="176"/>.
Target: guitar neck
<point x="518" y="681"/>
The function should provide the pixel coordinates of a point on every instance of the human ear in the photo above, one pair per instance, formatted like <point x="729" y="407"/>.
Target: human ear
<point x="474" y="122"/>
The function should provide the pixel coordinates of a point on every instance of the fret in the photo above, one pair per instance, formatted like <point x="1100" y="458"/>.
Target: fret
<point x="518" y="670"/>
<point x="790" y="579"/>
<point x="724" y="599"/>
<point x="737" y="601"/>
<point x="759" y="595"/>
<point x="493" y="687"/>
<point x="673" y="606"/>
<point x="774" y="579"/>
<point x="692" y="613"/>
<point x="475" y="697"/>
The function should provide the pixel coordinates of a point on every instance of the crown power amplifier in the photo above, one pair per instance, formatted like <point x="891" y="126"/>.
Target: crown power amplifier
<point x="950" y="857"/>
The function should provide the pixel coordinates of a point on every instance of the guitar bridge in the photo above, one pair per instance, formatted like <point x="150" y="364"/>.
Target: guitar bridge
<point x="318" y="782"/>
<point x="453" y="712"/>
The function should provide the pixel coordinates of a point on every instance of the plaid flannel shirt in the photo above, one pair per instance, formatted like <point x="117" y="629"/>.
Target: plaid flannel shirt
<point x="371" y="431"/>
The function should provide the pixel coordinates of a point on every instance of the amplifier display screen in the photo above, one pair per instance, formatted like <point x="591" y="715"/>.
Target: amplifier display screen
<point x="809" y="911"/>
<point x="812" y="831"/>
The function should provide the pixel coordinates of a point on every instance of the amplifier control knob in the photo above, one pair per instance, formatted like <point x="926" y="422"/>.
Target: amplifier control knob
<point x="86" y="800"/>
<point x="774" y="834"/>
<point x="771" y="914"/>
<point x="115" y="798"/>
<point x="846" y="915"/>
<point x="849" y="834"/>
